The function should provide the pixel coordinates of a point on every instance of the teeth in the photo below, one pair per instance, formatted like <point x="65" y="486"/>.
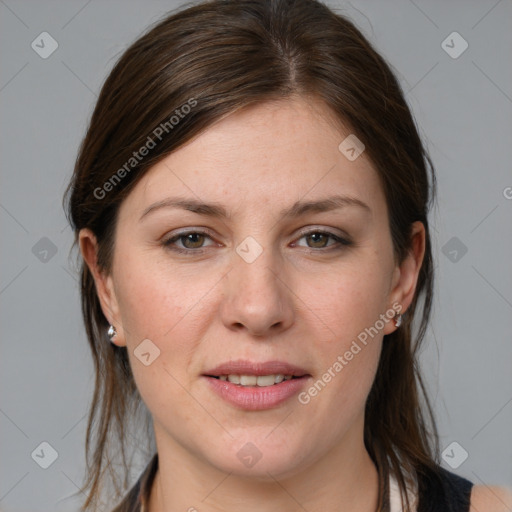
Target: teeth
<point x="253" y="380"/>
<point x="247" y="380"/>
<point x="264" y="380"/>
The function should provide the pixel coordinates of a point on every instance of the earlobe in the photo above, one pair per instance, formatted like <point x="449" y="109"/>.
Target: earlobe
<point x="103" y="281"/>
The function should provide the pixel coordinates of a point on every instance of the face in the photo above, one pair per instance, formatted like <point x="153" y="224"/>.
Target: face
<point x="315" y="288"/>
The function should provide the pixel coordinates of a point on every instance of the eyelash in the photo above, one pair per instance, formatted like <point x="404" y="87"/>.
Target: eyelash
<point x="343" y="242"/>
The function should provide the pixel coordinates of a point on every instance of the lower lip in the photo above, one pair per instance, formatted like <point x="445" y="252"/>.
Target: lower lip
<point x="257" y="398"/>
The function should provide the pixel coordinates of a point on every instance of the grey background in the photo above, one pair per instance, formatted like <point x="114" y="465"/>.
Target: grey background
<point x="464" y="109"/>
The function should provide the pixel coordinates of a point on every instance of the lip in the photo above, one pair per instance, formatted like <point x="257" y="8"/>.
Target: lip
<point x="245" y="367"/>
<point x="256" y="397"/>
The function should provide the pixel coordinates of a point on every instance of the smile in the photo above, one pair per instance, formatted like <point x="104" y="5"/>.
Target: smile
<point x="253" y="380"/>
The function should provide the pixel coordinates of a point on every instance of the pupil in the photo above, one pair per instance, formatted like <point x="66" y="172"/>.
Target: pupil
<point x="189" y="238"/>
<point x="317" y="236"/>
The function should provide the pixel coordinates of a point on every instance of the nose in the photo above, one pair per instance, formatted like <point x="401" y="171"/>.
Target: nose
<point x="257" y="297"/>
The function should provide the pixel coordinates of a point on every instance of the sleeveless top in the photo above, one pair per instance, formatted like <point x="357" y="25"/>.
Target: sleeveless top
<point x="440" y="491"/>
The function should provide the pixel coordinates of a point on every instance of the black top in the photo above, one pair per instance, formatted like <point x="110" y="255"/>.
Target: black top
<point x="443" y="491"/>
<point x="440" y="491"/>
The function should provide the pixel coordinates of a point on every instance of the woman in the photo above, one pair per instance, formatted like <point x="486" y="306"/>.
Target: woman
<point x="250" y="202"/>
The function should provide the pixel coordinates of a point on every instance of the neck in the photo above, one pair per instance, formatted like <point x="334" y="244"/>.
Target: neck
<point x="344" y="479"/>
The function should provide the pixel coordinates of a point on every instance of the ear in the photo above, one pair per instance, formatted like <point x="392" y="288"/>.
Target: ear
<point x="103" y="281"/>
<point x="405" y="276"/>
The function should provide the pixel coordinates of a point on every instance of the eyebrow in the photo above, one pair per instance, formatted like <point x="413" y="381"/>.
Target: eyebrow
<point x="299" y="208"/>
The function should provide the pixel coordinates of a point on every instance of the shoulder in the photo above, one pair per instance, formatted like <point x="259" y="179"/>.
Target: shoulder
<point x="490" y="499"/>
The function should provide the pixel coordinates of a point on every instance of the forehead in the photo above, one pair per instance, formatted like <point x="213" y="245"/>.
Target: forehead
<point x="278" y="151"/>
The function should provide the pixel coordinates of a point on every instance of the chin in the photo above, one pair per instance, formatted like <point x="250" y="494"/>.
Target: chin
<point x="260" y="459"/>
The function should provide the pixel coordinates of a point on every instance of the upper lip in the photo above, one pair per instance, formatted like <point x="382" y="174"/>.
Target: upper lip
<point x="244" y="367"/>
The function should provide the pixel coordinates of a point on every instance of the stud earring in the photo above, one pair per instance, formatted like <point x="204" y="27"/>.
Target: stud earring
<point x="398" y="321"/>
<point x="112" y="333"/>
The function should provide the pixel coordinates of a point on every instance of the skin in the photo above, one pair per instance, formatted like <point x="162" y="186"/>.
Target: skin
<point x="303" y="300"/>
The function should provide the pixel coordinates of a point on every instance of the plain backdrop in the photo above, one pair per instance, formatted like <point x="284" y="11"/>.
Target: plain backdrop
<point x="463" y="105"/>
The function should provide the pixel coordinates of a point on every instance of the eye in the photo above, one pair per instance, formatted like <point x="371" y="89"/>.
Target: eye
<point x="190" y="240"/>
<point x="193" y="241"/>
<point x="319" y="239"/>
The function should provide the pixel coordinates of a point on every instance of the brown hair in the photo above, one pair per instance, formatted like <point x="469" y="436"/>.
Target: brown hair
<point x="217" y="57"/>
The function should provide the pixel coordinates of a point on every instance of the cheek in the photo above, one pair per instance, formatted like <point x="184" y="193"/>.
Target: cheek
<point x="166" y="310"/>
<point x="349" y="309"/>
<point x="171" y="308"/>
<point x="348" y="301"/>
<point x="155" y="297"/>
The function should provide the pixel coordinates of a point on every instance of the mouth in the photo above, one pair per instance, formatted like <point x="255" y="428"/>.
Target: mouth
<point x="256" y="380"/>
<point x="251" y="373"/>
<point x="255" y="386"/>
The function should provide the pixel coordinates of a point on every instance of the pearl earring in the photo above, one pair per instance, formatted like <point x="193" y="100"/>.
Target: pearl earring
<point x="112" y="333"/>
